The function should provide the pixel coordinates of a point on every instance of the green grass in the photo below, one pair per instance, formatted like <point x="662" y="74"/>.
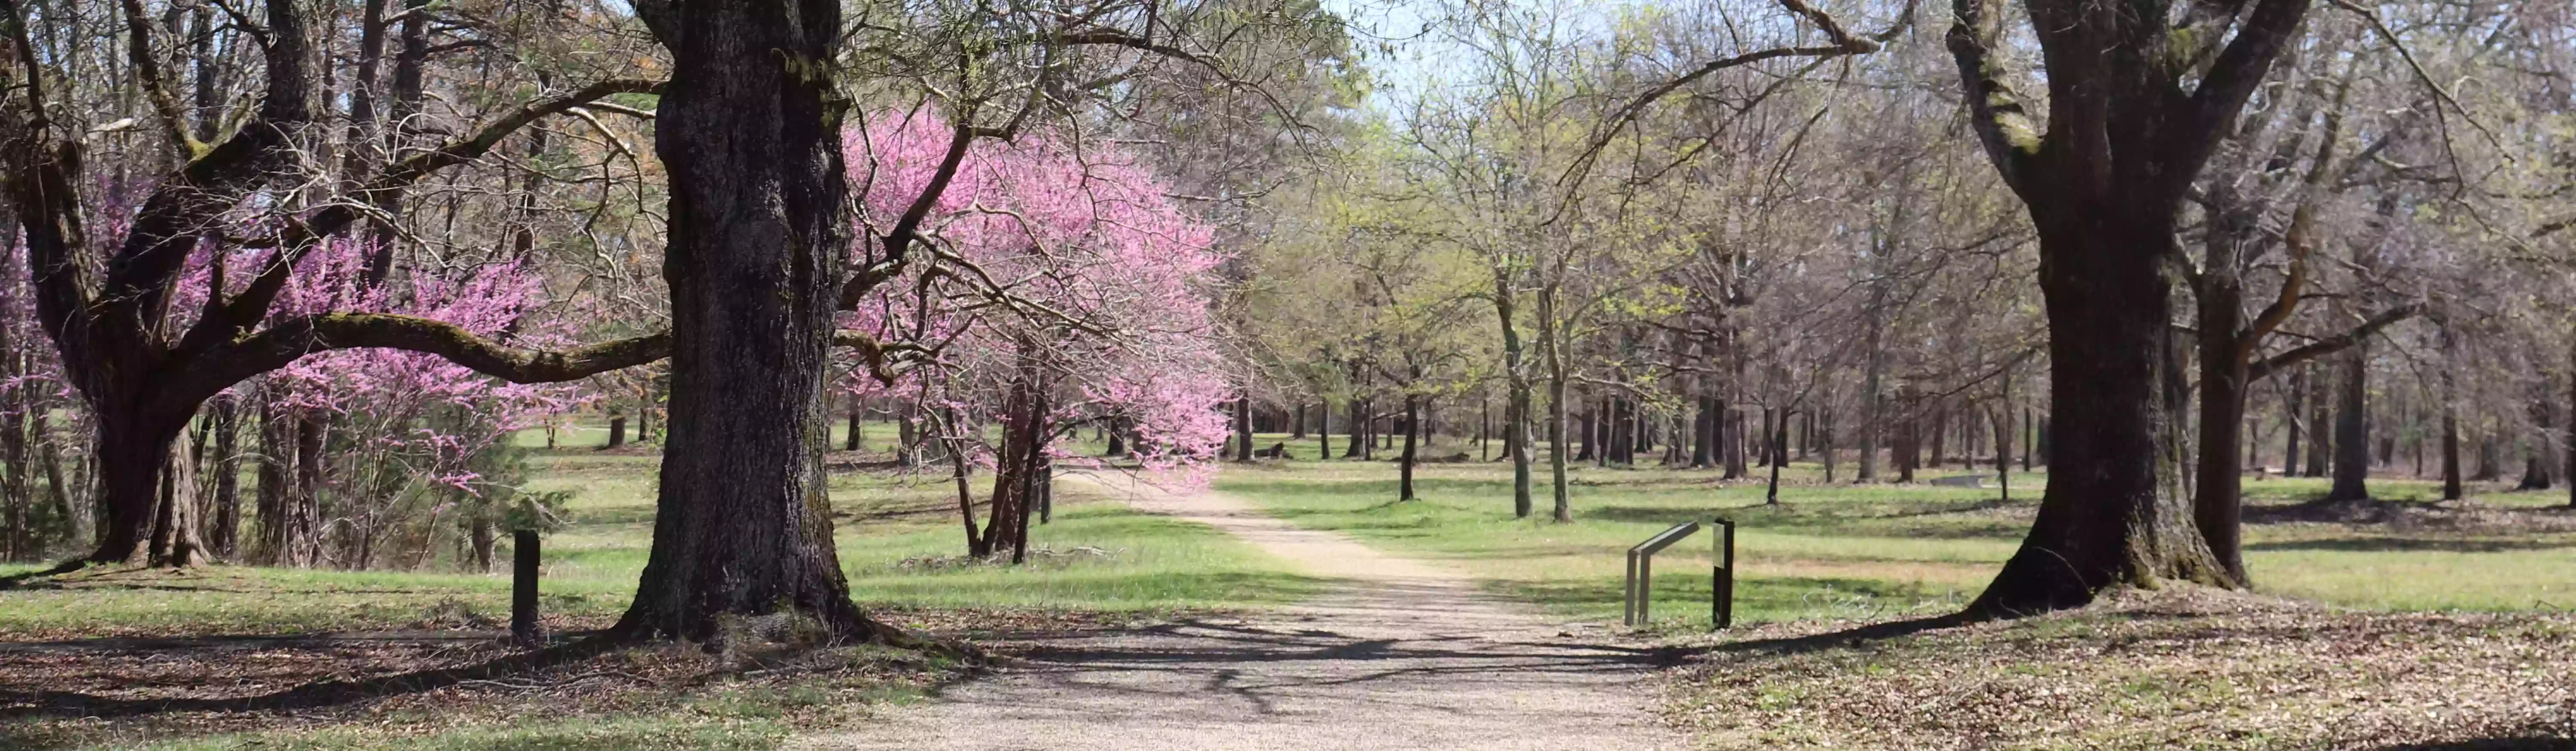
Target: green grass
<point x="1099" y="557"/>
<point x="1870" y="552"/>
<point x="1144" y="563"/>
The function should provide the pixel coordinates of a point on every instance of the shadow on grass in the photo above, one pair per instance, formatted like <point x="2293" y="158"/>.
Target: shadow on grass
<point x="2412" y="544"/>
<point x="2318" y="509"/>
<point x="27" y="579"/>
<point x="1815" y="519"/>
<point x="314" y="695"/>
<point x="1846" y="638"/>
<point x="631" y="514"/>
<point x="2532" y="742"/>
<point x="1756" y="598"/>
<point x="1458" y="653"/>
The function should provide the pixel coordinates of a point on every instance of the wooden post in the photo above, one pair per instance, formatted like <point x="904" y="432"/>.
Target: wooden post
<point x="1721" y="602"/>
<point x="523" y="588"/>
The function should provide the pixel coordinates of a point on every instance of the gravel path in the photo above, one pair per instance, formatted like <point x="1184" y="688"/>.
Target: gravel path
<point x="1408" y="655"/>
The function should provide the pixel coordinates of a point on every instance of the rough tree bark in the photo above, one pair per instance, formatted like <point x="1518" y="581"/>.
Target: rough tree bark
<point x="1243" y="427"/>
<point x="1551" y="350"/>
<point x="1412" y="427"/>
<point x="1355" y="441"/>
<point x="226" y="533"/>
<point x="750" y="129"/>
<point x="1873" y="408"/>
<point x="2103" y="179"/>
<point x="2292" y="396"/>
<point x="1323" y="429"/>
<point x="2320" y="417"/>
<point x="2537" y="468"/>
<point x="2352" y="430"/>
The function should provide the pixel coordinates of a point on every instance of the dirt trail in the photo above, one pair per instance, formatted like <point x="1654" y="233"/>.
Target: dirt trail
<point x="1407" y="655"/>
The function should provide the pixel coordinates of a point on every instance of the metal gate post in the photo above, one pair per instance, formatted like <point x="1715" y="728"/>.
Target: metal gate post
<point x="1628" y="591"/>
<point x="1640" y="586"/>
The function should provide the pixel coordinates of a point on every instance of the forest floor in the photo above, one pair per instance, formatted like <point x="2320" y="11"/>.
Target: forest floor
<point x="1398" y="655"/>
<point x="2189" y="668"/>
<point x="2403" y="622"/>
<point x="212" y="657"/>
<point x="1238" y="619"/>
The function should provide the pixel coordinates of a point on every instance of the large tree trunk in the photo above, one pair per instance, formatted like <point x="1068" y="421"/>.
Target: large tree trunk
<point x="1323" y="429"/>
<point x="2114" y="512"/>
<point x="2003" y="448"/>
<point x="2132" y="119"/>
<point x="1355" y="438"/>
<point x="225" y="537"/>
<point x="1412" y="427"/>
<point x="133" y="452"/>
<point x="749" y="128"/>
<point x="1587" y="424"/>
<point x="2291" y="398"/>
<point x="276" y="437"/>
<point x="1908" y="454"/>
<point x="2490" y="457"/>
<point x="1825" y="442"/>
<point x="2352" y="429"/>
<point x="1731" y="424"/>
<point x="2450" y="453"/>
<point x="2218" y="497"/>
<point x="851" y="436"/>
<point x="2319" y="417"/>
<point x="1776" y="441"/>
<point x="977" y="543"/>
<point x="2537" y="468"/>
<point x="1016" y="466"/>
<point x="1872" y="407"/>
<point x="1552" y="349"/>
<point x="17" y="490"/>
<point x="1243" y="428"/>
<point x="180" y="515"/>
<point x="644" y="414"/>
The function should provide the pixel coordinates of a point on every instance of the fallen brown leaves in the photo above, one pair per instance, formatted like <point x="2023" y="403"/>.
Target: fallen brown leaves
<point x="829" y="686"/>
<point x="2176" y="669"/>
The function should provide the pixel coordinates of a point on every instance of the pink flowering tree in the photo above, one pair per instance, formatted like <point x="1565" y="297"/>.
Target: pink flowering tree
<point x="106" y="292"/>
<point x="413" y="436"/>
<point x="36" y="494"/>
<point x="1064" y="288"/>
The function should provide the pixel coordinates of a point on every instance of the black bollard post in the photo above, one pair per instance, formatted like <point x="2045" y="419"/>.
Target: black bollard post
<point x="1721" y="603"/>
<point x="523" y="588"/>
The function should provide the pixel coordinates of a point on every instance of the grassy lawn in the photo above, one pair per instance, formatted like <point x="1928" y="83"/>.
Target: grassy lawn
<point x="1099" y="562"/>
<point x="2176" y="669"/>
<point x="1862" y="553"/>
<point x="2356" y="579"/>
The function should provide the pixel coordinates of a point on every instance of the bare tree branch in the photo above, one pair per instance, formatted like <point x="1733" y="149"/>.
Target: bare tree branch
<point x="2332" y="344"/>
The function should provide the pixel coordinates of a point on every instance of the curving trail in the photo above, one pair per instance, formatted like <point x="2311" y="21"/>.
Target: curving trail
<point x="1405" y="655"/>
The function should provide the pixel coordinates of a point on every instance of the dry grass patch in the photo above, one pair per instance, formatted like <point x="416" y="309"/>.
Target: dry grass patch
<point x="2183" y="669"/>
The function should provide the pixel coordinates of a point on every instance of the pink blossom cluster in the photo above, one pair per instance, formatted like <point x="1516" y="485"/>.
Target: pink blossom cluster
<point x="436" y="412"/>
<point x="33" y="372"/>
<point x="1059" y="254"/>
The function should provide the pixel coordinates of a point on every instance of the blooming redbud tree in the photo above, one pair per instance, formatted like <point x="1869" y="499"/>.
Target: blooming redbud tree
<point x="1066" y="289"/>
<point x="413" y="440"/>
